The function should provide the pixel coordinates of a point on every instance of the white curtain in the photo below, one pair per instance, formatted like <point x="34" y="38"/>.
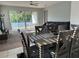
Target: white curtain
<point x="34" y="17"/>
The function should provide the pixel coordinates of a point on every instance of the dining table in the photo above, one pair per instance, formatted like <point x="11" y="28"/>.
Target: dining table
<point x="43" y="40"/>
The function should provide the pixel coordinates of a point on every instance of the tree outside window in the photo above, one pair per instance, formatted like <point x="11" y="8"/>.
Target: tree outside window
<point x="20" y="20"/>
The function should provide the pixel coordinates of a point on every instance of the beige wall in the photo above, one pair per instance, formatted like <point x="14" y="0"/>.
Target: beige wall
<point x="59" y="12"/>
<point x="75" y="12"/>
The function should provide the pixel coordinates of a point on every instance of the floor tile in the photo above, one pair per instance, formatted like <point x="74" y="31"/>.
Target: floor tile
<point x="12" y="56"/>
<point x="12" y="53"/>
<point x="3" y="54"/>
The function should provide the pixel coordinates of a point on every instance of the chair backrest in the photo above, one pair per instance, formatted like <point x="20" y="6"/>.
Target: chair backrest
<point x="64" y="49"/>
<point x="75" y="44"/>
<point x="25" y="45"/>
<point x="76" y="32"/>
<point x="61" y="27"/>
<point x="73" y="41"/>
<point x="64" y="36"/>
<point x="26" y="40"/>
<point x="24" y="48"/>
<point x="45" y="28"/>
<point x="23" y="38"/>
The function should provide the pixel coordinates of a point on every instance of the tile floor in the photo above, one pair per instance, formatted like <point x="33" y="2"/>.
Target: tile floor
<point x="11" y="53"/>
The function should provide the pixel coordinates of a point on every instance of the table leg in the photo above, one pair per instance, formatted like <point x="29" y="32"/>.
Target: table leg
<point x="40" y="52"/>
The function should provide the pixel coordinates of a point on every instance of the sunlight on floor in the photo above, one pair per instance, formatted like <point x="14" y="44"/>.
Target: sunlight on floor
<point x="11" y="53"/>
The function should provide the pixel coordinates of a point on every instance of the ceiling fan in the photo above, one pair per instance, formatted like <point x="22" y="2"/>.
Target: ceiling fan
<point x="33" y="3"/>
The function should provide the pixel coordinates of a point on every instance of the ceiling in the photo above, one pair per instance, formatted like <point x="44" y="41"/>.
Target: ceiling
<point x="41" y="4"/>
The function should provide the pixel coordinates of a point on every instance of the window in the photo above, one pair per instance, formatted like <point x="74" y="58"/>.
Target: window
<point x="22" y="20"/>
<point x="34" y="17"/>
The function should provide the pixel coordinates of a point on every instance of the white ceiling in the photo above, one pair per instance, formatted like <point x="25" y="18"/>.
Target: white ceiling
<point x="42" y="4"/>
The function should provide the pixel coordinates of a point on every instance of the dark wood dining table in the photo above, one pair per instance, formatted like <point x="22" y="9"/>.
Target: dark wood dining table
<point x="43" y="40"/>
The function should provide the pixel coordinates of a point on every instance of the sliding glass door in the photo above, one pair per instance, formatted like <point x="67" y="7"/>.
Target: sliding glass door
<point x="21" y="20"/>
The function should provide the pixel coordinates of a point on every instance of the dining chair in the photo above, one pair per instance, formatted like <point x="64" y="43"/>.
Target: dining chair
<point x="62" y="51"/>
<point x="75" y="44"/>
<point x="30" y="51"/>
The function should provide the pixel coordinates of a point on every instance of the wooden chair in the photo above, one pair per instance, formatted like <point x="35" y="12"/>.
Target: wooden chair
<point x="42" y="29"/>
<point x="64" y="34"/>
<point x="66" y="38"/>
<point x="63" y="50"/>
<point x="30" y="51"/>
<point x="45" y="28"/>
<point x="74" y="53"/>
<point x="25" y="49"/>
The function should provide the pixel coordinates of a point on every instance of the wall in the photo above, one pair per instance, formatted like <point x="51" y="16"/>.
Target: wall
<point x="75" y="13"/>
<point x="59" y="12"/>
<point x="5" y="11"/>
